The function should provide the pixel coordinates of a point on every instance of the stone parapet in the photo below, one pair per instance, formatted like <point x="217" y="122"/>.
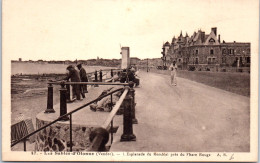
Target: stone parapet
<point x="57" y="137"/>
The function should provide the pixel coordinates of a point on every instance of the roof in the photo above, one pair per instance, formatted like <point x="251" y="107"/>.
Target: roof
<point x="126" y="48"/>
<point x="134" y="58"/>
<point x="167" y="43"/>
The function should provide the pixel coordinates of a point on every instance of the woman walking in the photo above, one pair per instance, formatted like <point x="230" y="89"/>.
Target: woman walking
<point x="173" y="69"/>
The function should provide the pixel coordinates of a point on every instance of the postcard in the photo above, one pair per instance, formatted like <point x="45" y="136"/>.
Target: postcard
<point x="115" y="80"/>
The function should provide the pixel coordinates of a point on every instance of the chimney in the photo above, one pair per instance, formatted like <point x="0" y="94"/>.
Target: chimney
<point x="214" y="30"/>
<point x="202" y="37"/>
<point x="219" y="38"/>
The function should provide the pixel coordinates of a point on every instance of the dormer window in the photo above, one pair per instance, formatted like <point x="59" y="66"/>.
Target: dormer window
<point x="231" y="51"/>
<point x="211" y="40"/>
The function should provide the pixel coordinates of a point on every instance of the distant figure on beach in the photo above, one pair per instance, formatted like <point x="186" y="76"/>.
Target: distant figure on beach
<point x="83" y="78"/>
<point x="173" y="69"/>
<point x="73" y="75"/>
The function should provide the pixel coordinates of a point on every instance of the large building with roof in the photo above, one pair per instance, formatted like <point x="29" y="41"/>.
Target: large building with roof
<point x="205" y="52"/>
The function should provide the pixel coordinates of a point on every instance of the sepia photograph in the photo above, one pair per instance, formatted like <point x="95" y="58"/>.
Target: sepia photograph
<point x="126" y="80"/>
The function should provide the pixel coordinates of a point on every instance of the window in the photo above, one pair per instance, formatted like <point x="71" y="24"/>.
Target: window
<point x="209" y="60"/>
<point x="197" y="61"/>
<point x="230" y="51"/>
<point x="197" y="51"/>
<point x="224" y="51"/>
<point x="213" y="60"/>
<point x="211" y="51"/>
<point x="247" y="59"/>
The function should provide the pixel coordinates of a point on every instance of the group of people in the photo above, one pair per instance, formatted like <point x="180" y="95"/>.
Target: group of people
<point x="128" y="75"/>
<point x="77" y="76"/>
<point x="78" y="90"/>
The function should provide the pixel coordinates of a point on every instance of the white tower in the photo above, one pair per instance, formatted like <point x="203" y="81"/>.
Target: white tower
<point x="125" y="52"/>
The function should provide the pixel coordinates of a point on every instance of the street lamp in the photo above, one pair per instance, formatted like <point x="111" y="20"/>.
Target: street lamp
<point x="147" y="64"/>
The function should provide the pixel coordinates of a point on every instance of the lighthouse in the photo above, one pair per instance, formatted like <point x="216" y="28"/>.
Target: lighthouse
<point x="125" y="62"/>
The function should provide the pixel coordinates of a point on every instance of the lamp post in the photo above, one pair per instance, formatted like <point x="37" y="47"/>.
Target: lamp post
<point x="147" y="64"/>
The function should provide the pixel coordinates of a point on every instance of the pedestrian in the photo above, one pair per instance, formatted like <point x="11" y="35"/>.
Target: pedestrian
<point x="83" y="78"/>
<point x="73" y="75"/>
<point x="173" y="69"/>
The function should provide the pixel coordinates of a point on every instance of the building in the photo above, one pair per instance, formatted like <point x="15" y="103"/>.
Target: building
<point x="134" y="60"/>
<point x="205" y="52"/>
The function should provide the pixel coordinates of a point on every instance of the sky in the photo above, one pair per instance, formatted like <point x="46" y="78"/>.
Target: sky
<point x="85" y="29"/>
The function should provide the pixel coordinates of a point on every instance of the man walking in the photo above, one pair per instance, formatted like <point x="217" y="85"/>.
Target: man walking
<point x="83" y="78"/>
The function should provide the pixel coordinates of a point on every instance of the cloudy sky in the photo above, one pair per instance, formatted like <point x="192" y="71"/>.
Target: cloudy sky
<point x="84" y="29"/>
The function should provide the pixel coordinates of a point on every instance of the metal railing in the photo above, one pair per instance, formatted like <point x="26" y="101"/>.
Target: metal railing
<point x="102" y="132"/>
<point x="129" y="111"/>
<point x="101" y="74"/>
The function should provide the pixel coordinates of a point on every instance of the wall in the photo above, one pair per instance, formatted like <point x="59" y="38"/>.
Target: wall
<point x="57" y="137"/>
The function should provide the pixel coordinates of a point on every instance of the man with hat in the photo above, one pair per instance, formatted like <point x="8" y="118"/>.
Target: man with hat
<point x="83" y="78"/>
<point x="73" y="75"/>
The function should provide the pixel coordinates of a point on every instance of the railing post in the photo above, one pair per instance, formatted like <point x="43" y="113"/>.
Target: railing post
<point x="111" y="131"/>
<point x="128" y="124"/>
<point x="96" y="78"/>
<point x="68" y="99"/>
<point x="112" y="128"/>
<point x="112" y="73"/>
<point x="99" y="138"/>
<point x="100" y="75"/>
<point x="86" y="86"/>
<point x="50" y="100"/>
<point x="132" y="93"/>
<point x="63" y="103"/>
<point x="71" y="143"/>
<point x="24" y="145"/>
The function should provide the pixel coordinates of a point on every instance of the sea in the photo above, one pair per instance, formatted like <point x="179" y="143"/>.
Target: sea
<point x="25" y="68"/>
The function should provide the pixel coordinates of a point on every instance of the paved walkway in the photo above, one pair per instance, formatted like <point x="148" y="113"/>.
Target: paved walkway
<point x="189" y="117"/>
<point x="84" y="117"/>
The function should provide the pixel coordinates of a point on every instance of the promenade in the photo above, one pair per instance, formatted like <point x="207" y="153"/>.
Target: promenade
<point x="189" y="117"/>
